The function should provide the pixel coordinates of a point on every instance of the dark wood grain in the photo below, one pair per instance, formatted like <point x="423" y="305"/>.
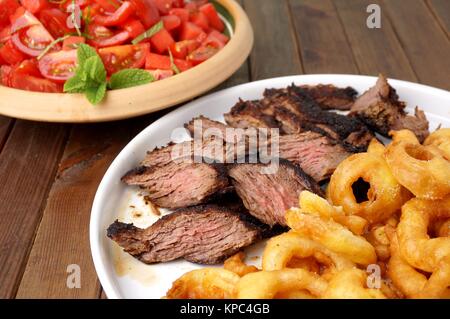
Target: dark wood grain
<point x="5" y="128"/>
<point x="422" y="39"/>
<point x="275" y="51"/>
<point x="323" y="45"/>
<point x="63" y="237"/>
<point x="441" y="9"/>
<point x="27" y="167"/>
<point x="375" y="50"/>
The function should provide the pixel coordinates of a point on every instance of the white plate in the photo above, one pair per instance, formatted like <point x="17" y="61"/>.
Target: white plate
<point x="124" y="277"/>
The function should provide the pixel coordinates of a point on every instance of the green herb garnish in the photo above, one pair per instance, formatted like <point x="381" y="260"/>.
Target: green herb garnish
<point x="173" y="66"/>
<point x="149" y="33"/>
<point x="90" y="76"/>
<point x="51" y="45"/>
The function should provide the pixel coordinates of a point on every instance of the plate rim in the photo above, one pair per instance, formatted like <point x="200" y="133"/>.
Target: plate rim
<point x="95" y="245"/>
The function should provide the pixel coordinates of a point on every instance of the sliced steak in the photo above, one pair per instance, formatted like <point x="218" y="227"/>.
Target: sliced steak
<point x="331" y="97"/>
<point x="381" y="109"/>
<point x="268" y="196"/>
<point x="179" y="184"/>
<point x="316" y="154"/>
<point x="206" y="124"/>
<point x="247" y="114"/>
<point x="205" y="234"/>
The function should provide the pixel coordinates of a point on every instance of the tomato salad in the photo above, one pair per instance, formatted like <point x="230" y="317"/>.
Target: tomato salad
<point x="39" y="38"/>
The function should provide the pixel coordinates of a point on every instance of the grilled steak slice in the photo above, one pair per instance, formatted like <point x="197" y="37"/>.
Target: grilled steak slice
<point x="206" y="124"/>
<point x="268" y="196"/>
<point x="380" y="109"/>
<point x="205" y="234"/>
<point x="309" y="114"/>
<point x="316" y="154"/>
<point x="247" y="114"/>
<point x="331" y="97"/>
<point x="179" y="184"/>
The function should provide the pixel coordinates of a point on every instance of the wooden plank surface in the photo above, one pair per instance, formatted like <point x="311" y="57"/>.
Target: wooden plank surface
<point x="441" y="10"/>
<point x="323" y="44"/>
<point x="27" y="166"/>
<point x="375" y="50"/>
<point x="275" y="51"/>
<point x="5" y="128"/>
<point x="422" y="39"/>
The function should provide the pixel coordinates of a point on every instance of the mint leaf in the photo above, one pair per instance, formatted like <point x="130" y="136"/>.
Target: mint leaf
<point x="129" y="77"/>
<point x="84" y="52"/>
<point x="149" y="33"/>
<point x="96" y="94"/>
<point x="95" y="69"/>
<point x="75" y="84"/>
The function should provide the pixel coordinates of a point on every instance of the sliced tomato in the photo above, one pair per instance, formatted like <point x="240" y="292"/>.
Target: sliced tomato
<point x="5" y="34"/>
<point x="213" y="17"/>
<point x="181" y="13"/>
<point x="55" y="21"/>
<point x="22" y="19"/>
<point x="101" y="36"/>
<point x="32" y="40"/>
<point x="190" y="31"/>
<point x="178" y="3"/>
<point x="182" y="48"/>
<point x="202" y="54"/>
<point x="34" y="6"/>
<point x="146" y="11"/>
<point x="108" y="5"/>
<point x="7" y="8"/>
<point x="124" y="57"/>
<point x="161" y="41"/>
<point x="28" y="67"/>
<point x="32" y="83"/>
<point x="161" y="74"/>
<point x="134" y="28"/>
<point x="171" y="22"/>
<point x="5" y="75"/>
<point x="157" y="61"/>
<point x="10" y="54"/>
<point x="58" y="66"/>
<point x="216" y="39"/>
<point x="200" y="19"/>
<point x="164" y="6"/>
<point x="72" y="42"/>
<point x="118" y="17"/>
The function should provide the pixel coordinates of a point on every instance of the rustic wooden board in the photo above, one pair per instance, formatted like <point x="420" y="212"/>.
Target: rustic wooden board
<point x="375" y="50"/>
<point x="5" y="127"/>
<point x="275" y="51"/>
<point x="27" y="167"/>
<point x="441" y="10"/>
<point x="422" y="39"/>
<point x="323" y="44"/>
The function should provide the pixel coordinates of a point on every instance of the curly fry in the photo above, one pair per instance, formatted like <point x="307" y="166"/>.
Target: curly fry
<point x="207" y="283"/>
<point x="267" y="284"/>
<point x="237" y="265"/>
<point x="332" y="235"/>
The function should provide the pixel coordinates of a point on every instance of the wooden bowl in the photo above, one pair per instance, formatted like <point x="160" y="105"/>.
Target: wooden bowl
<point x="130" y="102"/>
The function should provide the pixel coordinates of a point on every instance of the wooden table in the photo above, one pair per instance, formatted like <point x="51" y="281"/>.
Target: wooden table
<point x="49" y="173"/>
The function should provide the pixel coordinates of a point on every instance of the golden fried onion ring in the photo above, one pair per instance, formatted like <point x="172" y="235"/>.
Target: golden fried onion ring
<point x="414" y="284"/>
<point x="440" y="139"/>
<point x="385" y="195"/>
<point x="417" y="248"/>
<point x="207" y="283"/>
<point x="268" y="284"/>
<point x="376" y="148"/>
<point x="332" y="235"/>
<point x="237" y="265"/>
<point x="421" y="169"/>
<point x="281" y="249"/>
<point x="314" y="204"/>
<point x="350" y="284"/>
